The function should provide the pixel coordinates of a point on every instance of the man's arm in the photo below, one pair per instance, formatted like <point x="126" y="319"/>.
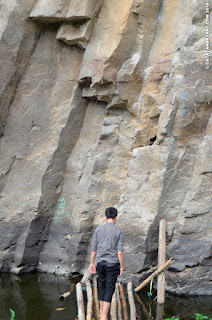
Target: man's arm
<point x="120" y="252"/>
<point x="93" y="253"/>
<point x="121" y="261"/>
<point x="92" y="264"/>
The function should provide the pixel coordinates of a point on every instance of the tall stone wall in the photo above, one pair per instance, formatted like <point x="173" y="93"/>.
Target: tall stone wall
<point x="106" y="103"/>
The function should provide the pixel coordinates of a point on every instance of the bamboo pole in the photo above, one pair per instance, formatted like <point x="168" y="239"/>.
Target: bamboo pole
<point x="80" y="302"/>
<point x="86" y="276"/>
<point x="155" y="273"/>
<point x="118" y="302"/>
<point x="89" y="301"/>
<point x="131" y="301"/>
<point x="66" y="294"/>
<point x="124" y="304"/>
<point x="113" y="314"/>
<point x="84" y="280"/>
<point x="161" y="261"/>
<point x="96" y="300"/>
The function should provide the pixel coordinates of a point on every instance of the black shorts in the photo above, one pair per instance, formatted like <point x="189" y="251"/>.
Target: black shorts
<point x="107" y="277"/>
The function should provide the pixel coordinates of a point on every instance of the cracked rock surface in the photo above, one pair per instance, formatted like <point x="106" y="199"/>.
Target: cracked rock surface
<point x="102" y="104"/>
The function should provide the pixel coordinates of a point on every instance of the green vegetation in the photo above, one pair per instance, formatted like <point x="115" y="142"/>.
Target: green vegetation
<point x="12" y="314"/>
<point x="198" y="317"/>
<point x="201" y="317"/>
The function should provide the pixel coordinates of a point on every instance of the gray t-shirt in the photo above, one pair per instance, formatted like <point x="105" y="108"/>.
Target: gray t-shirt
<point x="108" y="239"/>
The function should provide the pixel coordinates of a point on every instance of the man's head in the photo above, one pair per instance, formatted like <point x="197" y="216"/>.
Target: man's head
<point x="111" y="213"/>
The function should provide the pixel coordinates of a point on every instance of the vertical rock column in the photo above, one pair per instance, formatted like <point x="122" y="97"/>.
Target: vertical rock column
<point x="43" y="125"/>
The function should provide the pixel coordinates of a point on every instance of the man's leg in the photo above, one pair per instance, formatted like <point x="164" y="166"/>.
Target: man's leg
<point x="101" y="307"/>
<point x="111" y="278"/>
<point x="101" y="285"/>
<point x="105" y="309"/>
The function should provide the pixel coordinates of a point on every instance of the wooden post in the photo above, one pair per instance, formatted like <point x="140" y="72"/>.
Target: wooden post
<point x="161" y="261"/>
<point x="113" y="314"/>
<point x="96" y="299"/>
<point x="118" y="302"/>
<point x="155" y="273"/>
<point x="89" y="301"/>
<point x="80" y="302"/>
<point x="124" y="304"/>
<point x="160" y="312"/>
<point x="131" y="301"/>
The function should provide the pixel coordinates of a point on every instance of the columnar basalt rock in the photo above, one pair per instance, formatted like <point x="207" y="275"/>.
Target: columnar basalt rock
<point x="117" y="112"/>
<point x="78" y="32"/>
<point x="19" y="37"/>
<point x="65" y="10"/>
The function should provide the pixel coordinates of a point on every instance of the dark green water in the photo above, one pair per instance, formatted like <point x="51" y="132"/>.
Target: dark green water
<point x="36" y="297"/>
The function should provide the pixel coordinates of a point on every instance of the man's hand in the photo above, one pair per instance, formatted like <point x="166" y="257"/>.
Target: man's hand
<point x="92" y="264"/>
<point x="121" y="271"/>
<point x="92" y="268"/>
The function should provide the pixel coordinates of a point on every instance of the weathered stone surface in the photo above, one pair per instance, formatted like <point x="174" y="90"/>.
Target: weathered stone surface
<point x="79" y="32"/>
<point x="75" y="33"/>
<point x="44" y="135"/>
<point x="125" y="123"/>
<point x="55" y="11"/>
<point x="112" y="20"/>
<point x="18" y="37"/>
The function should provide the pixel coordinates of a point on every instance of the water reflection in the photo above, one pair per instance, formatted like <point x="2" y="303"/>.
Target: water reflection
<point x="36" y="297"/>
<point x="160" y="312"/>
<point x="186" y="307"/>
<point x="182" y="307"/>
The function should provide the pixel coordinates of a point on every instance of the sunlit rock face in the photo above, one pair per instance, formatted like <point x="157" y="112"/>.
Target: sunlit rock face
<point x="103" y="104"/>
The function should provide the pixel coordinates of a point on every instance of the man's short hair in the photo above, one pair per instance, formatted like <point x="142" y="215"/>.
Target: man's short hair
<point x="111" y="213"/>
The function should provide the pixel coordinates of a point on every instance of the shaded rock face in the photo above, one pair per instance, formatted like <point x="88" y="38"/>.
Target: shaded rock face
<point x="105" y="103"/>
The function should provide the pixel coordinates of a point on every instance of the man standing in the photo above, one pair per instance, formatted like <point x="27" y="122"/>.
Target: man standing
<point x="107" y="246"/>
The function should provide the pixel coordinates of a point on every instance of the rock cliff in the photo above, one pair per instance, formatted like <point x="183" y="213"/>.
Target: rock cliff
<point x="106" y="103"/>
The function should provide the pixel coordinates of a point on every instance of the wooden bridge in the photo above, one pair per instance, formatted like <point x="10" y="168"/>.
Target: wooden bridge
<point x="119" y="309"/>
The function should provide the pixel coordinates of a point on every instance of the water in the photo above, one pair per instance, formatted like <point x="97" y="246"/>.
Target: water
<point x="36" y="297"/>
<point x="182" y="307"/>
